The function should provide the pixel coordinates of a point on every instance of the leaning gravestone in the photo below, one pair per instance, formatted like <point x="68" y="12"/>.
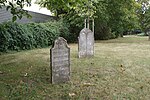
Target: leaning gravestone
<point x="60" y="61"/>
<point x="86" y="43"/>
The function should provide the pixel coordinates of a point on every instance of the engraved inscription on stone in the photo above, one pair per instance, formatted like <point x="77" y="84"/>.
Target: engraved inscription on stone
<point x="60" y="61"/>
<point x="86" y="43"/>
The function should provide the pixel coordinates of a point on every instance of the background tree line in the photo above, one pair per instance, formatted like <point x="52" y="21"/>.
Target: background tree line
<point x="112" y="17"/>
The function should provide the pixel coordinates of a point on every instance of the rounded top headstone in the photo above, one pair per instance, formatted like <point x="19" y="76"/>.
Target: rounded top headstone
<point x="60" y="42"/>
<point x="86" y="31"/>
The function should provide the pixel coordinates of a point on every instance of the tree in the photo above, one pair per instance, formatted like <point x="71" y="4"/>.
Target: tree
<point x="123" y="15"/>
<point x="147" y="20"/>
<point x="142" y="13"/>
<point x="72" y="11"/>
<point x="16" y="8"/>
<point x="60" y="7"/>
<point x="115" y="17"/>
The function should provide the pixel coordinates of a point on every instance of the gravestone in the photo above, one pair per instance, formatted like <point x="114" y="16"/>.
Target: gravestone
<point x="86" y="43"/>
<point x="60" y="61"/>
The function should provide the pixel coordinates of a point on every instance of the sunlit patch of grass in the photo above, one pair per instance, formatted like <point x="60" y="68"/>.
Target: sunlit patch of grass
<point x="119" y="70"/>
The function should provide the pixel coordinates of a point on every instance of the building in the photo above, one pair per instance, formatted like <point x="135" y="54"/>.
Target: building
<point x="36" y="17"/>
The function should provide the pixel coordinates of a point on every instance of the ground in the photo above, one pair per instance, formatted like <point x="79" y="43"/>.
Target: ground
<point x="119" y="70"/>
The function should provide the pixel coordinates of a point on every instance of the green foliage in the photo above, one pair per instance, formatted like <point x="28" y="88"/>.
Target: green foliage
<point x="83" y="8"/>
<point x="72" y="11"/>
<point x="75" y="22"/>
<point x="146" y="20"/>
<point x="16" y="36"/>
<point x="114" y="17"/>
<point x="143" y="14"/>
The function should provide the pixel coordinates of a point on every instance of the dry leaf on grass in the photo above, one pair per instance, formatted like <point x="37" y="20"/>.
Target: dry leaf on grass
<point x="88" y="84"/>
<point x="72" y="94"/>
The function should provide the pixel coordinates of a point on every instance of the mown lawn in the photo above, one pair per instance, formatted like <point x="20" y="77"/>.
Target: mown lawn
<point x="120" y="70"/>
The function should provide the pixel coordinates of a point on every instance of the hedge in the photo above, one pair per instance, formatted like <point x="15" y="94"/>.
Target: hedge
<point x="15" y="36"/>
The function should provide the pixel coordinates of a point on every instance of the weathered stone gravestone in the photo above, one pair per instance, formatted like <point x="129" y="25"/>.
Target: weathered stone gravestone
<point x="86" y="43"/>
<point x="60" y="61"/>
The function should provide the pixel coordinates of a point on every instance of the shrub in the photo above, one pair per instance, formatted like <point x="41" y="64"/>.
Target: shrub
<point x="103" y="32"/>
<point x="16" y="36"/>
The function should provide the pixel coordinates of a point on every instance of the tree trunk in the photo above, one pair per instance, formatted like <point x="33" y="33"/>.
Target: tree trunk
<point x="149" y="36"/>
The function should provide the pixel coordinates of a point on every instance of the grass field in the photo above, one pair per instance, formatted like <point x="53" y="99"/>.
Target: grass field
<point x="119" y="70"/>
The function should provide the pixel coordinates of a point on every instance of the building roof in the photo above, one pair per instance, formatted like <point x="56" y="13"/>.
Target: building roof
<point x="36" y="17"/>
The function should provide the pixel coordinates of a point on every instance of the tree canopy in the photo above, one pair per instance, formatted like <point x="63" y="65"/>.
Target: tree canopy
<point x="143" y="14"/>
<point x="59" y="7"/>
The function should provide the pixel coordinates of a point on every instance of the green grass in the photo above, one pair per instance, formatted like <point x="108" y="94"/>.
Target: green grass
<point x="119" y="70"/>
